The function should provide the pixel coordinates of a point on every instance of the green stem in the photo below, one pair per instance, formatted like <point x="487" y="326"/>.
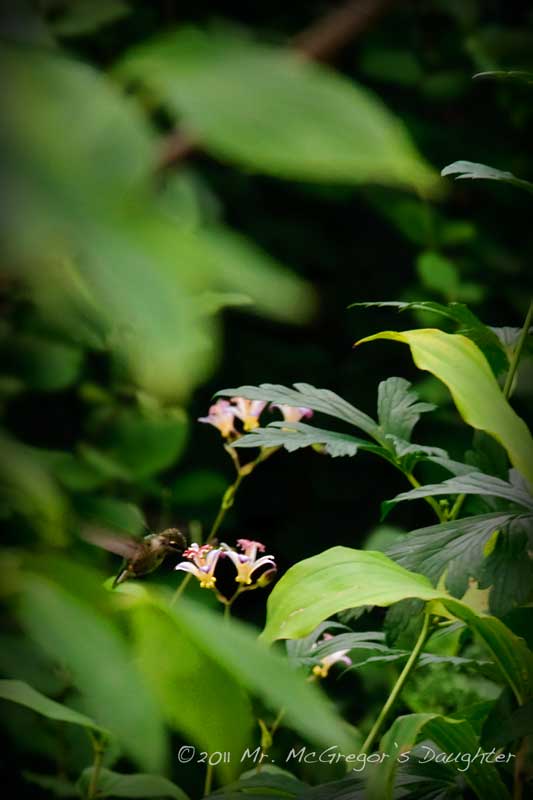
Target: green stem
<point x="208" y="780"/>
<point x="456" y="506"/>
<point x="98" y="755"/>
<point x="398" y="686"/>
<point x="431" y="500"/>
<point x="517" y="352"/>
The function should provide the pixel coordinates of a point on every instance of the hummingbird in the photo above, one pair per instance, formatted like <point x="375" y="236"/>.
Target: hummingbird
<point x="141" y="556"/>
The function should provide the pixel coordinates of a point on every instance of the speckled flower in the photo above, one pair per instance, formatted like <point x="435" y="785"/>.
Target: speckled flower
<point x="321" y="670"/>
<point x="246" y="563"/>
<point x="292" y="413"/>
<point x="222" y="416"/>
<point x="248" y="411"/>
<point x="202" y="563"/>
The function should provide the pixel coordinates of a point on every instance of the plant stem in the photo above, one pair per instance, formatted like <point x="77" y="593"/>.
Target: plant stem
<point x="431" y="500"/>
<point x="208" y="780"/>
<point x="98" y="755"/>
<point x="398" y="686"/>
<point x="456" y="506"/>
<point x="517" y="352"/>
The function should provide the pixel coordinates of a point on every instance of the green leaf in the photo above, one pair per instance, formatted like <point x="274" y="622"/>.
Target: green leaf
<point x="25" y="695"/>
<point x="43" y="364"/>
<point x="111" y="513"/>
<point x="82" y="17"/>
<point x="469" y="169"/>
<point x="438" y="273"/>
<point x="91" y="646"/>
<point x="456" y="548"/>
<point x="271" y="782"/>
<point x="484" y="336"/>
<point x="451" y="736"/>
<point x="187" y="682"/>
<point x="398" y="408"/>
<point x="459" y="363"/>
<point x="212" y="80"/>
<point x="113" y="784"/>
<point x="520" y="76"/>
<point x="339" y="578"/>
<point x="295" y="435"/>
<point x="473" y="483"/>
<point x="307" y="396"/>
<point x="266" y="674"/>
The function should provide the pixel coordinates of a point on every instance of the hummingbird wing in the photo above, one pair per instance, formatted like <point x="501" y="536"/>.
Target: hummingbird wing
<point x="119" y="543"/>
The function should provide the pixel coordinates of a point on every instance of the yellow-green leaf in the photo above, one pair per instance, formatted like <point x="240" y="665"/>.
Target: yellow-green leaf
<point x="461" y="365"/>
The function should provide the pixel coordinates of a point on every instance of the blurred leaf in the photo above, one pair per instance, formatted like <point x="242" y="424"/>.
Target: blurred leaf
<point x="22" y="693"/>
<point x="187" y="683"/>
<point x="43" y="364"/>
<point x="339" y="578"/>
<point x="451" y="736"/>
<point x="271" y="782"/>
<point x="28" y="489"/>
<point x="392" y="65"/>
<point x="201" y="486"/>
<point x="508" y="568"/>
<point x="438" y="273"/>
<point x="305" y="395"/>
<point x="92" y="647"/>
<point x="311" y="123"/>
<point x="294" y="435"/>
<point x="81" y="17"/>
<point x="112" y="513"/>
<point x="398" y="408"/>
<point x="145" y="443"/>
<point x="264" y="673"/>
<point x="458" y="363"/>
<point x="113" y="784"/>
<point x="468" y="169"/>
<point x="59" y="787"/>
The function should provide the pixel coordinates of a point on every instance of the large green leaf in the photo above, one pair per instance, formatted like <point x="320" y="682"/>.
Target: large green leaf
<point x="454" y="737"/>
<point x="458" y="363"/>
<point x="187" y="683"/>
<point x="338" y="578"/>
<point x="305" y="395"/>
<point x="25" y="695"/>
<point x="268" y="110"/>
<point x="89" y="643"/>
<point x="470" y="325"/>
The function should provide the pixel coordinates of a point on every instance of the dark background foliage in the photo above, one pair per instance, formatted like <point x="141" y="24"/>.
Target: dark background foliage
<point x="352" y="244"/>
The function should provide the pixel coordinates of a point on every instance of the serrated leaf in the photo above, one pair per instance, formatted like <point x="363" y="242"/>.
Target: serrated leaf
<point x="295" y="435"/>
<point x="306" y="395"/>
<point x="399" y="408"/>
<point x="211" y="81"/>
<point x="452" y="737"/>
<point x="25" y="695"/>
<point x="454" y="548"/>
<point x="461" y="365"/>
<point x="115" y="784"/>
<point x="472" y="483"/>
<point x="469" y="169"/>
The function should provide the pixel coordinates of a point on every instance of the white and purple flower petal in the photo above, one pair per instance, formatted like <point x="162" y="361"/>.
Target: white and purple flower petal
<point x="293" y="413"/>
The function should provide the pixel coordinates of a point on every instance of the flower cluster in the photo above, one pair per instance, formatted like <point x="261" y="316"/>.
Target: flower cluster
<point x="202" y="561"/>
<point x="223" y="413"/>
